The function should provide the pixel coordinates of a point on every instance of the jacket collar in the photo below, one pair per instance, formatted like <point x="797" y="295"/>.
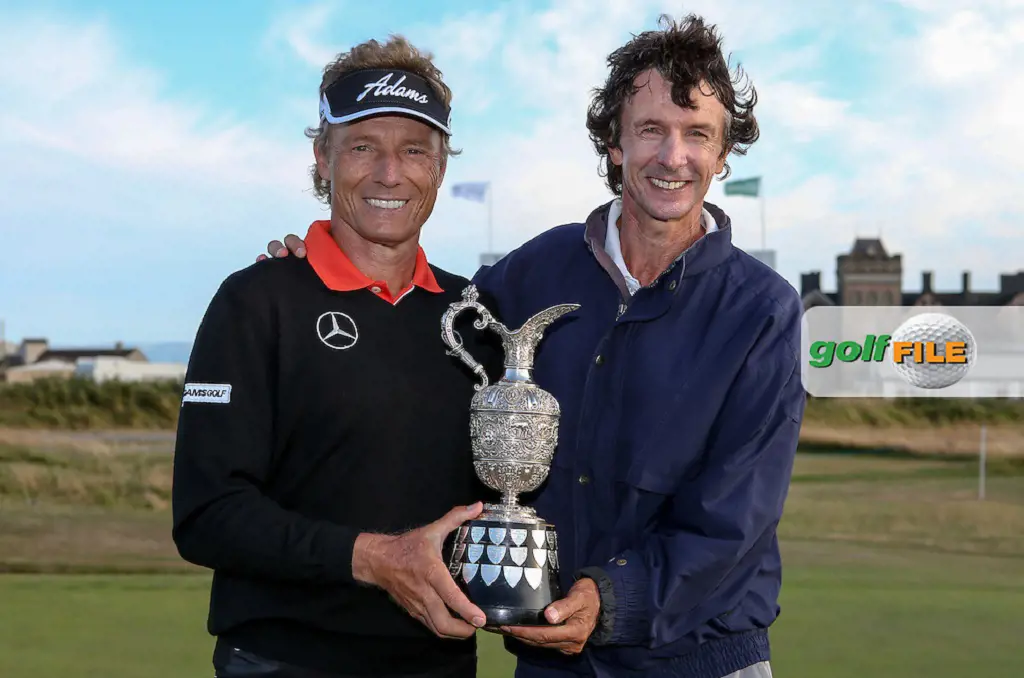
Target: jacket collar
<point x="708" y="251"/>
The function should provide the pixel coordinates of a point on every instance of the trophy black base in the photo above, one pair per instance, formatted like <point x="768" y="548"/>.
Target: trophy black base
<point x="507" y="568"/>
<point x="513" y="616"/>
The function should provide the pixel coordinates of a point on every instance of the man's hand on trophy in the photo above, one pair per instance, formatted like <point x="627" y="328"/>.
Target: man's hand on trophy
<point x="578" y="610"/>
<point x="410" y="568"/>
<point x="293" y="244"/>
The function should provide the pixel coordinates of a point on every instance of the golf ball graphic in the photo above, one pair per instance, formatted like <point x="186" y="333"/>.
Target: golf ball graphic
<point x="938" y="328"/>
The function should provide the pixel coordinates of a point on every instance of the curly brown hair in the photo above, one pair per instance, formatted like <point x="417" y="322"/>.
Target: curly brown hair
<point x="397" y="53"/>
<point x="688" y="54"/>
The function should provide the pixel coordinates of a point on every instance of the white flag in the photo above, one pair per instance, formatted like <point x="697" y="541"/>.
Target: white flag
<point x="476" y="190"/>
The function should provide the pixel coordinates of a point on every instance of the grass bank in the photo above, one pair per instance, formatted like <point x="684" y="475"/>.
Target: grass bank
<point x="924" y="425"/>
<point x="902" y="412"/>
<point x="83" y="477"/>
<point x="81" y="404"/>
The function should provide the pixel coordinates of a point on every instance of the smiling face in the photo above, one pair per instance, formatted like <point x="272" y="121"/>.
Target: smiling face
<point x="385" y="173"/>
<point x="668" y="154"/>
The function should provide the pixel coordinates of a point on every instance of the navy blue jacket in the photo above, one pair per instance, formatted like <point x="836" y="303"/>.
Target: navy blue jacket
<point x="681" y="408"/>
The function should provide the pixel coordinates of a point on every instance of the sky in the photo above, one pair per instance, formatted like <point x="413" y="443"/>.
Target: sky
<point x="149" y="150"/>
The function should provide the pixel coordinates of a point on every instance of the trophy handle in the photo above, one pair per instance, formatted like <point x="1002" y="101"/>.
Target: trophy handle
<point x="454" y="341"/>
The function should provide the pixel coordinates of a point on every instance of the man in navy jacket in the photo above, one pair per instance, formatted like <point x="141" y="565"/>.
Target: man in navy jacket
<point x="679" y="382"/>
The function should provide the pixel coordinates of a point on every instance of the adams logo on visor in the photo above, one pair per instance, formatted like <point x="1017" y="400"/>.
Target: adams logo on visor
<point x="383" y="87"/>
<point x="206" y="393"/>
<point x="377" y="91"/>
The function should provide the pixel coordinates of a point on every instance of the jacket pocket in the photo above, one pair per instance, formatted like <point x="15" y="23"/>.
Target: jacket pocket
<point x="651" y="477"/>
<point x="637" y="497"/>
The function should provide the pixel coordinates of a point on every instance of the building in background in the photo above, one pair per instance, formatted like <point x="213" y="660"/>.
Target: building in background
<point x="766" y="257"/>
<point x="44" y="369"/>
<point x="869" y="276"/>
<point x="490" y="258"/>
<point x="34" y="359"/>
<point x="105" y="368"/>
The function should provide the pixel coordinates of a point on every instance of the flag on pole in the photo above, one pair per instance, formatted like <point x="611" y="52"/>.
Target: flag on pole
<point x="750" y="187"/>
<point x="473" y="190"/>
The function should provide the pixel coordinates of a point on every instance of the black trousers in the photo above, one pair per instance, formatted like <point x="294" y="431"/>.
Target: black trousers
<point x="232" y="662"/>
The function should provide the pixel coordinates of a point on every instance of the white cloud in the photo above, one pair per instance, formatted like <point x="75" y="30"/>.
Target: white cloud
<point x="929" y="157"/>
<point x="971" y="145"/>
<point x="301" y="31"/>
<point x="965" y="46"/>
<point x="117" y="193"/>
<point x="69" y="89"/>
<point x="802" y="113"/>
<point x="463" y="49"/>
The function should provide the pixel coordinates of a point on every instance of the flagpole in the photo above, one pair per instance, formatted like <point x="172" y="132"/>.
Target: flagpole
<point x="761" y="192"/>
<point x="981" y="465"/>
<point x="490" y="222"/>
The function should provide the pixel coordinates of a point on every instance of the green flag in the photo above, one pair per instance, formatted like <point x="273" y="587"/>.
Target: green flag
<point x="749" y="187"/>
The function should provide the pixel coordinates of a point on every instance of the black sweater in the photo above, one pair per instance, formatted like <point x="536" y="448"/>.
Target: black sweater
<point x="289" y="446"/>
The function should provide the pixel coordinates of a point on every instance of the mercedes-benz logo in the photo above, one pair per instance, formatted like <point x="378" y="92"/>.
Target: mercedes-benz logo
<point x="337" y="330"/>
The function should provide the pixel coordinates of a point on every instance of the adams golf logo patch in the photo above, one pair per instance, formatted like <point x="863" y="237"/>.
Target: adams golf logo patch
<point x="206" y="393"/>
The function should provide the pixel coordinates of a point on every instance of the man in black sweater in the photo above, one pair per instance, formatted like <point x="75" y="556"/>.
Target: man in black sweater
<point x="324" y="431"/>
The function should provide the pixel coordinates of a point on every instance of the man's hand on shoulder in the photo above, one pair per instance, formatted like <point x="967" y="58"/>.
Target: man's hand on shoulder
<point x="409" y="567"/>
<point x="293" y="244"/>
<point x="576" y="616"/>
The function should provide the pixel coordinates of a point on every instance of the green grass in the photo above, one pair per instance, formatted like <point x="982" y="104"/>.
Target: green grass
<point x="894" y="612"/>
<point x="893" y="569"/>
<point x="123" y="626"/>
<point x="846" y="613"/>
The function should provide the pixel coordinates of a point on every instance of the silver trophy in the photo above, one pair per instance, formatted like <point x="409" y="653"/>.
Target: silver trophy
<point x="506" y="560"/>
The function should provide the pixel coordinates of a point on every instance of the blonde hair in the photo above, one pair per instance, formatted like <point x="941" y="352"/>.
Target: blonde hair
<point x="397" y="53"/>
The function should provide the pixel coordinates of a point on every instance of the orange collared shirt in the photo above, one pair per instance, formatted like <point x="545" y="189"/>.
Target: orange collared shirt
<point x="338" y="272"/>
